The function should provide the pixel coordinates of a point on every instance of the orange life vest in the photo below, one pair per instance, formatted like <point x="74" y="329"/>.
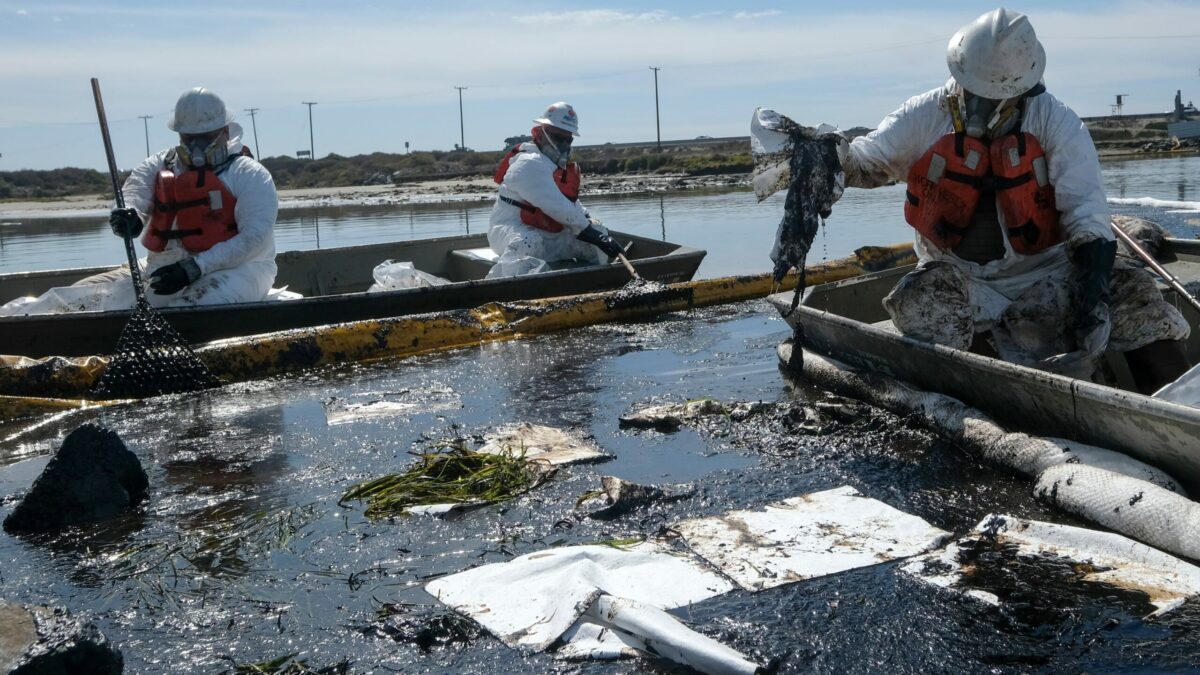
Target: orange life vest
<point x="945" y="185"/>
<point x="194" y="207"/>
<point x="566" y="179"/>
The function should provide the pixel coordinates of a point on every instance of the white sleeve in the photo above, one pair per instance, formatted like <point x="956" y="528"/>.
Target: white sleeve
<point x="1074" y="170"/>
<point x="532" y="178"/>
<point x="886" y="154"/>
<point x="138" y="189"/>
<point x="257" y="206"/>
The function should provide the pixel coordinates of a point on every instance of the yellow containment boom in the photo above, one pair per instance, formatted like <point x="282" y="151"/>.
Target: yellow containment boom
<point x="241" y="359"/>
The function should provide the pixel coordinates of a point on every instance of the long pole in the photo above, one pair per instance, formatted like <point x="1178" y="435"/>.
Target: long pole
<point x="462" y="139"/>
<point x="1161" y="271"/>
<point x="134" y="272"/>
<point x="146" y="128"/>
<point x="657" y="125"/>
<point x="254" y="127"/>
<point x="312" y="148"/>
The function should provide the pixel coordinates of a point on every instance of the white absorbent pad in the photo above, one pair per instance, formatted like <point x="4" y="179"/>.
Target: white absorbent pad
<point x="1106" y="557"/>
<point x="806" y="537"/>
<point x="529" y="601"/>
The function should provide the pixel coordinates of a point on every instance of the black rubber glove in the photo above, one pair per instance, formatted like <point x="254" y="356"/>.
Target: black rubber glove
<point x="1090" y="295"/>
<point x="125" y="223"/>
<point x="601" y="241"/>
<point x="172" y="278"/>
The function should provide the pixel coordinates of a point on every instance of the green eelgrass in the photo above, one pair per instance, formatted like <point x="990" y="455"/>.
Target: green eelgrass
<point x="453" y="475"/>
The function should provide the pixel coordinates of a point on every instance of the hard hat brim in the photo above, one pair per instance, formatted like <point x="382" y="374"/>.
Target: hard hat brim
<point x="543" y="120"/>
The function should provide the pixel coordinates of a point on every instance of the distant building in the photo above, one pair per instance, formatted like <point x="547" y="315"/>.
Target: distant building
<point x="1182" y="112"/>
<point x="516" y="140"/>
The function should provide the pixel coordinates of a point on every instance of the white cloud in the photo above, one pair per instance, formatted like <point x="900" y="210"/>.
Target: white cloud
<point x="589" y="17"/>
<point x="757" y="15"/>
<point x="21" y="12"/>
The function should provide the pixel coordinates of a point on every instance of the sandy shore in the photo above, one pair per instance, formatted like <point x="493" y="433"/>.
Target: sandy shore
<point x="418" y="192"/>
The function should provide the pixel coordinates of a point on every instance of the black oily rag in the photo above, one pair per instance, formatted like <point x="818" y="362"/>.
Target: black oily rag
<point x="814" y="167"/>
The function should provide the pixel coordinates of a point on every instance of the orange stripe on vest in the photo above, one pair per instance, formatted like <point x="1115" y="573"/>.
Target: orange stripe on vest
<point x="567" y="180"/>
<point x="194" y="207"/>
<point x="945" y="185"/>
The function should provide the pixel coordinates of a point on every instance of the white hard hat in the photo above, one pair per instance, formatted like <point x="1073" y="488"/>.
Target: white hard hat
<point x="560" y="116"/>
<point x="997" y="56"/>
<point x="199" y="111"/>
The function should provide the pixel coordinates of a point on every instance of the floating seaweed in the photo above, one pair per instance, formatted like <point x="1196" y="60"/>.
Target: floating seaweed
<point x="452" y="474"/>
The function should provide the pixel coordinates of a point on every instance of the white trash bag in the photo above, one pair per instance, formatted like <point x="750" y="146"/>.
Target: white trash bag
<point x="394" y="276"/>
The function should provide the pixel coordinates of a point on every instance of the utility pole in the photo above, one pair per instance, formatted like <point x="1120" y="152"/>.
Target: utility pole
<point x="146" y="128"/>
<point x="254" y="126"/>
<point x="312" y="153"/>
<point x="657" y="125"/>
<point x="462" y="139"/>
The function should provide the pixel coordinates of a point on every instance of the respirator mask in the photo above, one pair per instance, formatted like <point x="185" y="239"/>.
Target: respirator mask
<point x="554" y="143"/>
<point x="988" y="117"/>
<point x="203" y="150"/>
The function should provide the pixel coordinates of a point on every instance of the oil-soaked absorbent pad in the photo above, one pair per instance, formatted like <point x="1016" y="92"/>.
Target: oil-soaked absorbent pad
<point x="1106" y="557"/>
<point x="529" y="601"/>
<point x="806" y="537"/>
<point x="532" y="600"/>
<point x="366" y="406"/>
<point x="537" y="443"/>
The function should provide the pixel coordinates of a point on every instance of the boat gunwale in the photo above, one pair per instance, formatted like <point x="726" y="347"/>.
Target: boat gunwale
<point x="680" y="253"/>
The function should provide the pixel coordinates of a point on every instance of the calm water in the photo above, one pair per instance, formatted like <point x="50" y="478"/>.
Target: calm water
<point x="735" y="230"/>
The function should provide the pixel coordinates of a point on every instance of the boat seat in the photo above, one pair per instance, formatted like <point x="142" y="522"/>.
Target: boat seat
<point x="484" y="253"/>
<point x="471" y="264"/>
<point x="887" y="325"/>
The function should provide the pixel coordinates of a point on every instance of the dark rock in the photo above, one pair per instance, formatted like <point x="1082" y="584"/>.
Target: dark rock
<point x="93" y="477"/>
<point x="48" y="641"/>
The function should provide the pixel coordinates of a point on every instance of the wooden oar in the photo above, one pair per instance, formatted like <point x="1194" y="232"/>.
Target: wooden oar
<point x="1161" y="271"/>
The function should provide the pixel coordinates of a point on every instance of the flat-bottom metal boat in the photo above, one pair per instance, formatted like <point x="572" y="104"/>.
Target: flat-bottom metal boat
<point x="845" y="320"/>
<point x="334" y="283"/>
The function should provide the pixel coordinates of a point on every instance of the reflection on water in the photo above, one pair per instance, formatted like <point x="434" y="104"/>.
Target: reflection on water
<point x="736" y="231"/>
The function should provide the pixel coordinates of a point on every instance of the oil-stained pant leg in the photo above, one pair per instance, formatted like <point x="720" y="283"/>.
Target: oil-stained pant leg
<point x="933" y="303"/>
<point x="526" y="250"/>
<point x="1140" y="314"/>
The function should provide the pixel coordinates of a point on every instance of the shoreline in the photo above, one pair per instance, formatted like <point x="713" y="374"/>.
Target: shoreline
<point x="445" y="191"/>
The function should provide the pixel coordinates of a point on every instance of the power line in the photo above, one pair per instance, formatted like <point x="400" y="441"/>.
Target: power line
<point x="462" y="138"/>
<point x="254" y="127"/>
<point x="312" y="148"/>
<point x="657" y="125"/>
<point x="146" y="128"/>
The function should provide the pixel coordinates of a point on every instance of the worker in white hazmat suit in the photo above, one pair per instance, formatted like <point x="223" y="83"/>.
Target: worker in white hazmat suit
<point x="537" y="217"/>
<point x="1013" y="229"/>
<point x="205" y="211"/>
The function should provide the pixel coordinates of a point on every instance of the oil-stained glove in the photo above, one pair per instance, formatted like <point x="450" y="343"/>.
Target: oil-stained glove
<point x="172" y="278"/>
<point x="125" y="223"/>
<point x="1092" y="264"/>
<point x="601" y="241"/>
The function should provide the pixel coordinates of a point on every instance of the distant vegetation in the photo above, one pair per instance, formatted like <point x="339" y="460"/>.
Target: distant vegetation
<point x="692" y="159"/>
<point x="53" y="184"/>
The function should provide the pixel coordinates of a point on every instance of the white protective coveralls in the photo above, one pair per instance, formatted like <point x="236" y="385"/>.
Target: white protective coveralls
<point x="886" y="155"/>
<point x="240" y="269"/>
<point x="524" y="249"/>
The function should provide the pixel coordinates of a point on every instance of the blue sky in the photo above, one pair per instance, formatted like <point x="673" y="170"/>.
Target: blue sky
<point x="383" y="73"/>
